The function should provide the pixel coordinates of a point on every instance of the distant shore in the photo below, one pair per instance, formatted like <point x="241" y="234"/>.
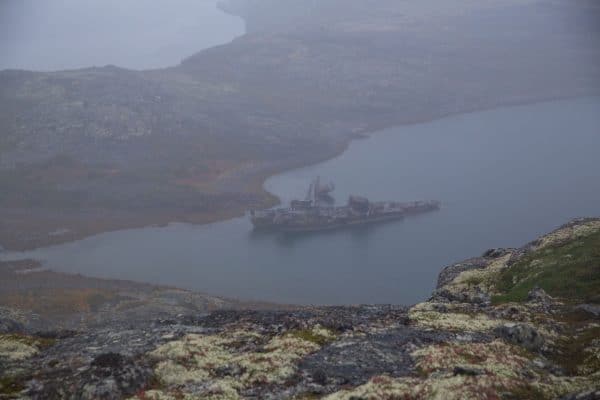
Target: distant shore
<point x="75" y="226"/>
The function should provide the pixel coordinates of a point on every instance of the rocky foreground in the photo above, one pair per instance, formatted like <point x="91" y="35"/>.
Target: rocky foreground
<point x="513" y="323"/>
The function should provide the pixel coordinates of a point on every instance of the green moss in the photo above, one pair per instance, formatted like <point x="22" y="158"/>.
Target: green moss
<point x="569" y="270"/>
<point x="474" y="280"/>
<point x="450" y="321"/>
<point x="11" y="385"/>
<point x="19" y="347"/>
<point x="317" y="336"/>
<point x="39" y="343"/>
<point x="573" y="352"/>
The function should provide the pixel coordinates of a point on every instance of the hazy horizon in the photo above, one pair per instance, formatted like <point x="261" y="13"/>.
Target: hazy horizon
<point x="133" y="34"/>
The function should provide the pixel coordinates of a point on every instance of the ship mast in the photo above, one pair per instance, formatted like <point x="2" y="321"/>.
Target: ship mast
<point x="316" y="190"/>
<point x="309" y="194"/>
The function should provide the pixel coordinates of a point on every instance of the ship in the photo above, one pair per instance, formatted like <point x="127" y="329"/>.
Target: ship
<point x="315" y="212"/>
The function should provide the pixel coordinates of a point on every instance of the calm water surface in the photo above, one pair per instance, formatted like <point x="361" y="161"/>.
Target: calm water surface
<point x="504" y="177"/>
<point x="138" y="34"/>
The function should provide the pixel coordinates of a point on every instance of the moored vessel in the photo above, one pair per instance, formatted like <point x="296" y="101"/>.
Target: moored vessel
<point x="311" y="214"/>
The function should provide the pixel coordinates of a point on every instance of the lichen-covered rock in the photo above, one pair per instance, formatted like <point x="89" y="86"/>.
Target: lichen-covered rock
<point x="232" y="361"/>
<point x="449" y="273"/>
<point x="8" y="325"/>
<point x="569" y="232"/>
<point x="496" y="369"/>
<point x="479" y="371"/>
<point x="14" y="347"/>
<point x="425" y="315"/>
<point x="472" y="285"/>
<point x="539" y="295"/>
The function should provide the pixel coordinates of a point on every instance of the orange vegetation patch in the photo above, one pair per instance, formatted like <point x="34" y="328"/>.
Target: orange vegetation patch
<point x="58" y="301"/>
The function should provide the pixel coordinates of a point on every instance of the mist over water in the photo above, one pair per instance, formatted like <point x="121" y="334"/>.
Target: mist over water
<point x="504" y="177"/>
<point x="136" y="34"/>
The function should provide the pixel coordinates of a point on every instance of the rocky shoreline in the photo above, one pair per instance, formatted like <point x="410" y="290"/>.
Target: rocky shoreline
<point x="511" y="324"/>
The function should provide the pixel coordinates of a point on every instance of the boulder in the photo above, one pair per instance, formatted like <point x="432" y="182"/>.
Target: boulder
<point x="8" y="325"/>
<point x="523" y="335"/>
<point x="592" y="309"/>
<point x="495" y="253"/>
<point x="110" y="376"/>
<point x="449" y="273"/>
<point x="539" y="295"/>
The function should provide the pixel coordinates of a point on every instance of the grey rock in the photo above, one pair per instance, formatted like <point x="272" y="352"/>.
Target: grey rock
<point x="8" y="325"/>
<point x="353" y="361"/>
<point x="495" y="253"/>
<point x="111" y="376"/>
<point x="589" y="395"/>
<point x="474" y="296"/>
<point x="539" y="295"/>
<point x="319" y="376"/>
<point x="590" y="309"/>
<point x="520" y="334"/>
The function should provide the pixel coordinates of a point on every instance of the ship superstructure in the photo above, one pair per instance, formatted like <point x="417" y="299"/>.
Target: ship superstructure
<point x="316" y="213"/>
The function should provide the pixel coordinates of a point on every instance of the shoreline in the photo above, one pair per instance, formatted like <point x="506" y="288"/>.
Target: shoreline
<point x="255" y="184"/>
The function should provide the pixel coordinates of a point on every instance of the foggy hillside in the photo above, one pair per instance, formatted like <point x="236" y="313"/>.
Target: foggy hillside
<point x="195" y="140"/>
<point x="69" y="34"/>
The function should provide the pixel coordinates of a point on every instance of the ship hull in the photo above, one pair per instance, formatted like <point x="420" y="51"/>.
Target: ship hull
<point x="340" y="225"/>
<point x="313" y="220"/>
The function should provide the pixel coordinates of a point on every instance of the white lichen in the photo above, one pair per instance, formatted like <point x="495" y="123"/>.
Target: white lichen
<point x="474" y="322"/>
<point x="14" y="348"/>
<point x="569" y="233"/>
<point x="195" y="359"/>
<point x="482" y="279"/>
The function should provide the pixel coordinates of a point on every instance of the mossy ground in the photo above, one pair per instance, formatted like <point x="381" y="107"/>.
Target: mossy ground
<point x="317" y="335"/>
<point x="17" y="348"/>
<point x="569" y="270"/>
<point x="11" y="386"/>
<point x="40" y="343"/>
<point x="579" y="352"/>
